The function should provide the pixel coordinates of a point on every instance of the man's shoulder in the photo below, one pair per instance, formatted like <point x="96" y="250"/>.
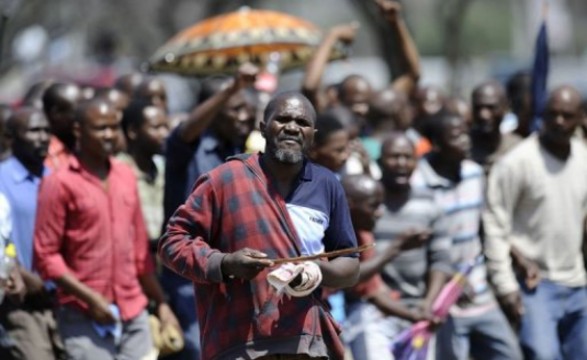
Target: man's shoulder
<point x="521" y="152"/>
<point x="320" y="173"/>
<point x="470" y="168"/>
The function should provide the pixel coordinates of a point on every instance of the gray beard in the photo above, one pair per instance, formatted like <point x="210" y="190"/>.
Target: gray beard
<point x="288" y="156"/>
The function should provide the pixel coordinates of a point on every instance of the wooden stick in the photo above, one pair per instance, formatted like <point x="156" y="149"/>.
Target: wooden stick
<point x="324" y="255"/>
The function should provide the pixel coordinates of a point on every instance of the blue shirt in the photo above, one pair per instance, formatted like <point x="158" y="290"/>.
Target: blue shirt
<point x="318" y="208"/>
<point x="21" y="188"/>
<point x="186" y="162"/>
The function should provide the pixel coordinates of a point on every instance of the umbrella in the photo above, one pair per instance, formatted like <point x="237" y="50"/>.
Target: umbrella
<point x="222" y="43"/>
<point x="412" y="344"/>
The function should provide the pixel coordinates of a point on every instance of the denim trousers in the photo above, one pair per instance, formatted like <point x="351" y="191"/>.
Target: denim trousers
<point x="554" y="324"/>
<point x="487" y="336"/>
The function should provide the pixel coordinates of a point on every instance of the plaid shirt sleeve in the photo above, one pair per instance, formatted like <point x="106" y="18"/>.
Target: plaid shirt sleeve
<point x="185" y="246"/>
<point x="50" y="229"/>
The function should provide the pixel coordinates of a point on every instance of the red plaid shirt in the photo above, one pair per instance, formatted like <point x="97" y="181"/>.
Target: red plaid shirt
<point x="230" y="208"/>
<point x="96" y="234"/>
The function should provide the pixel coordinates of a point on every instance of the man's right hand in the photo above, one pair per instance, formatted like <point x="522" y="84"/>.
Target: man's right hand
<point x="245" y="264"/>
<point x="346" y="32"/>
<point x="512" y="306"/>
<point x="245" y="76"/>
<point x="412" y="239"/>
<point x="389" y="8"/>
<point x="99" y="309"/>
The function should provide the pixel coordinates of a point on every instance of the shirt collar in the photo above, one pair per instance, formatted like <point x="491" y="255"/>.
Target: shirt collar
<point x="75" y="165"/>
<point x="19" y="172"/>
<point x="306" y="173"/>
<point x="431" y="177"/>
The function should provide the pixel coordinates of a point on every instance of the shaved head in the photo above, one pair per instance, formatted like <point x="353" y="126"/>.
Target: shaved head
<point x="20" y="118"/>
<point x="365" y="196"/>
<point x="562" y="114"/>
<point x="129" y="83"/>
<point x="490" y="88"/>
<point x="359" y="187"/>
<point x="566" y="93"/>
<point x="289" y="96"/>
<point x="489" y="106"/>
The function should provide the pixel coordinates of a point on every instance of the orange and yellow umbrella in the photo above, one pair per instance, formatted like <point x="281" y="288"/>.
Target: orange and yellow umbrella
<point x="220" y="44"/>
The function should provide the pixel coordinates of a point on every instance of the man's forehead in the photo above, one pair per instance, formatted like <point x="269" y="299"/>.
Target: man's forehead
<point x="291" y="104"/>
<point x="566" y="97"/>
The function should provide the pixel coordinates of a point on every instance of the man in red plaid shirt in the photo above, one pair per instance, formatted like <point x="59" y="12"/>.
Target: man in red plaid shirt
<point x="243" y="214"/>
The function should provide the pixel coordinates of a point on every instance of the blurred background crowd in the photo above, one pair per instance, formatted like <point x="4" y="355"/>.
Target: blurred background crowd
<point x="456" y="127"/>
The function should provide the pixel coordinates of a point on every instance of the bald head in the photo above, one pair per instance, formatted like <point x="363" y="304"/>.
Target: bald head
<point x="292" y="97"/>
<point x="129" y="83"/>
<point x="489" y="106"/>
<point x="153" y="90"/>
<point x="389" y="107"/>
<point x="359" y="187"/>
<point x="89" y="108"/>
<point x="364" y="196"/>
<point x="29" y="131"/>
<point x="354" y="92"/>
<point x="20" y="118"/>
<point x="567" y="94"/>
<point x="562" y="114"/>
<point x="97" y="128"/>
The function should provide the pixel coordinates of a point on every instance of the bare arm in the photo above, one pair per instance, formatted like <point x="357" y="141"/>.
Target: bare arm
<point x="436" y="280"/>
<point x="153" y="290"/>
<point x="315" y="68"/>
<point x="97" y="304"/>
<point x="201" y="117"/>
<point x="410" y="239"/>
<point x="339" y="273"/>
<point x="390" y="307"/>
<point x="407" y="81"/>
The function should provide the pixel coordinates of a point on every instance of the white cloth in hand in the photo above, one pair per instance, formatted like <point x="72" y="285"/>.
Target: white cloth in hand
<point x="281" y="277"/>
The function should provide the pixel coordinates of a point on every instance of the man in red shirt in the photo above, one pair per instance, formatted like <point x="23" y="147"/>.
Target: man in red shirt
<point x="90" y="239"/>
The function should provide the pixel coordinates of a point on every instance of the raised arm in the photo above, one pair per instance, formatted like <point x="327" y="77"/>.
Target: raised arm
<point x="315" y="67"/>
<point x="200" y="118"/>
<point x="406" y="82"/>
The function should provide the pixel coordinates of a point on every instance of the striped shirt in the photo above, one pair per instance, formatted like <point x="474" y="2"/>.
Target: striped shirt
<point x="462" y="203"/>
<point x="407" y="273"/>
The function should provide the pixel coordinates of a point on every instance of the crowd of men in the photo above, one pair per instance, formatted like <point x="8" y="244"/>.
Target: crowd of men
<point x="124" y="215"/>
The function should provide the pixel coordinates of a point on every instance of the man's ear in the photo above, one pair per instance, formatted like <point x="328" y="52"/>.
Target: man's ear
<point x="262" y="126"/>
<point x="131" y="133"/>
<point x="77" y="129"/>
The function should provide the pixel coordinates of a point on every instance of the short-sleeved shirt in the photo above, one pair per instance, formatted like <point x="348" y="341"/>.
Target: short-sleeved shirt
<point x="462" y="203"/>
<point x="21" y="189"/>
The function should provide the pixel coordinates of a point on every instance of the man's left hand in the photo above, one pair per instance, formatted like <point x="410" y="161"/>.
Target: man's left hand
<point x="167" y="317"/>
<point x="15" y="288"/>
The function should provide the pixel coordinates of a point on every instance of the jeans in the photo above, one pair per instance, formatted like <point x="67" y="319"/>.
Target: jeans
<point x="369" y="333"/>
<point x="183" y="303"/>
<point x="554" y="325"/>
<point x="82" y="341"/>
<point x="487" y="336"/>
